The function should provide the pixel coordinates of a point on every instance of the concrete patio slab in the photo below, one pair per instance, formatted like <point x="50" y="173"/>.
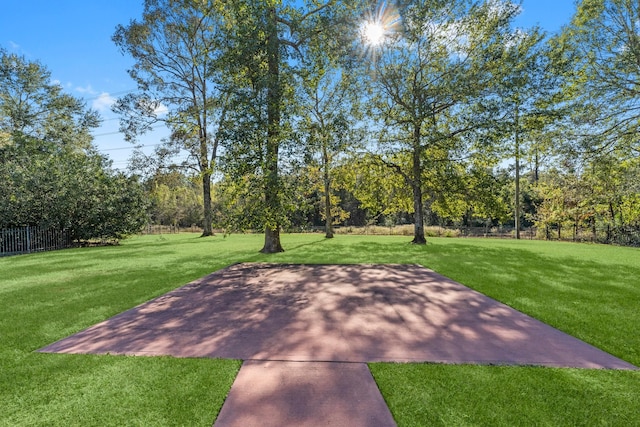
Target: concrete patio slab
<point x="275" y="394"/>
<point x="340" y="313"/>
<point x="306" y="331"/>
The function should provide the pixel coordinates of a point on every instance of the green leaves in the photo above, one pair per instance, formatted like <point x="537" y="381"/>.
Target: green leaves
<point x="32" y="106"/>
<point x="180" y="55"/>
<point x="603" y="83"/>
<point x="50" y="172"/>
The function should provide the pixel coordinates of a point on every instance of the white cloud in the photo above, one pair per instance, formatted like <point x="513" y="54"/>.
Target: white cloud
<point x="103" y="102"/>
<point x="17" y="49"/>
<point x="161" y="110"/>
<point x="87" y="89"/>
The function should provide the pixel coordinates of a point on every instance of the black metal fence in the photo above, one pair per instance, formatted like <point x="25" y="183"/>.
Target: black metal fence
<point x="26" y="240"/>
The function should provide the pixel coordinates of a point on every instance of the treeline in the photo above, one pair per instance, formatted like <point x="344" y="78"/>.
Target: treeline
<point x="293" y="114"/>
<point x="51" y="175"/>
<point x="286" y="115"/>
<point x="600" y="203"/>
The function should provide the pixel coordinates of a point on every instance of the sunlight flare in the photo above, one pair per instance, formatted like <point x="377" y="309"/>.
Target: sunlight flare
<point x="373" y="33"/>
<point x="379" y="25"/>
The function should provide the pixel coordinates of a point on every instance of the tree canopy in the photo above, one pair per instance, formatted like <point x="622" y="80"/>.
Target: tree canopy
<point x="52" y="175"/>
<point x="602" y="46"/>
<point x="291" y="115"/>
<point x="177" y="49"/>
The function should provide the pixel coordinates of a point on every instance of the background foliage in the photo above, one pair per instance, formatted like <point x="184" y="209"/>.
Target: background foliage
<point x="285" y="116"/>
<point x="51" y="175"/>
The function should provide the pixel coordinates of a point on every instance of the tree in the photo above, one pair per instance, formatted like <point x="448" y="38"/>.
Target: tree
<point x="329" y="108"/>
<point x="612" y="194"/>
<point x="429" y="78"/>
<point x="527" y="96"/>
<point x="177" y="47"/>
<point x="175" y="199"/>
<point x="269" y="41"/>
<point x="377" y="191"/>
<point x="52" y="175"/>
<point x="601" y="195"/>
<point x="238" y="203"/>
<point x="34" y="112"/>
<point x="483" y="193"/>
<point x="602" y="44"/>
<point x="116" y="206"/>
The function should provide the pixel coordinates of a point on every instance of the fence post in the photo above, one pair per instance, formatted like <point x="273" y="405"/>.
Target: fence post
<point x="28" y="238"/>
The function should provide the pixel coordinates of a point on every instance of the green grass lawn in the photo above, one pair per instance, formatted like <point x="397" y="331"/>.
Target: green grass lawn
<point x="589" y="291"/>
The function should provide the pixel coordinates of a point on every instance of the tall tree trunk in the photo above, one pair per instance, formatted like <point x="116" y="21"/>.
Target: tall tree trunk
<point x="272" y="180"/>
<point x="416" y="184"/>
<point x="271" y="241"/>
<point x="206" y="182"/>
<point x="208" y="211"/>
<point x="205" y="167"/>
<point x="418" y="226"/>
<point x="536" y="169"/>
<point x="517" y="201"/>
<point x="327" y="193"/>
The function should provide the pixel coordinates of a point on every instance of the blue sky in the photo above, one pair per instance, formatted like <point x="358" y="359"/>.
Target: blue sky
<point x="72" y="38"/>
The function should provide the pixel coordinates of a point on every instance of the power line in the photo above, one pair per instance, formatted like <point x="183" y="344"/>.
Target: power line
<point x="107" y="134"/>
<point x="130" y="148"/>
<point x="117" y="132"/>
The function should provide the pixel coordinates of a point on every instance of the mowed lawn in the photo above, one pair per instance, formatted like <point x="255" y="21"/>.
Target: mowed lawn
<point x="589" y="291"/>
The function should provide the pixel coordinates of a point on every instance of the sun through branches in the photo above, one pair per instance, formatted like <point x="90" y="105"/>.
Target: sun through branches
<point x="379" y="26"/>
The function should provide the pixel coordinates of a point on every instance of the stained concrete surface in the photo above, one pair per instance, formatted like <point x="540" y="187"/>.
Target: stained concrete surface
<point x="305" y="333"/>
<point x="342" y="313"/>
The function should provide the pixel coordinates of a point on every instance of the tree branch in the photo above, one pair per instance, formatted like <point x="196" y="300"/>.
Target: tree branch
<point x="317" y="10"/>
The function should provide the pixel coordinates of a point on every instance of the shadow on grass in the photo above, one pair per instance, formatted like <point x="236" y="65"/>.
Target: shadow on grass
<point x="445" y="395"/>
<point x="594" y="299"/>
<point x="581" y="289"/>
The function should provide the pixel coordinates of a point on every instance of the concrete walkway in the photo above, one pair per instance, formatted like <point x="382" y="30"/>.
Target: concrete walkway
<point x="336" y="318"/>
<point x="301" y="394"/>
